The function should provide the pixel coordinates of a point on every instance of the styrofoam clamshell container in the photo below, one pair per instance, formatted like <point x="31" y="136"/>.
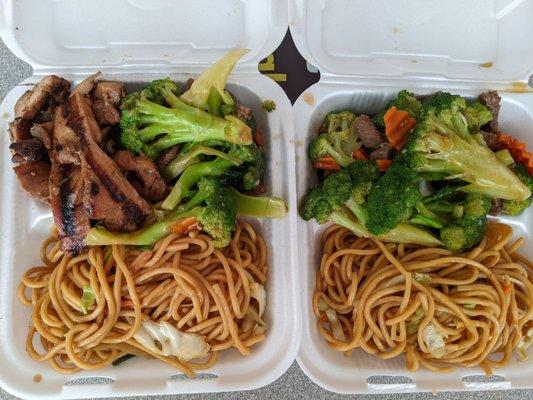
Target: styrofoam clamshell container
<point x="136" y="41"/>
<point x="366" y="51"/>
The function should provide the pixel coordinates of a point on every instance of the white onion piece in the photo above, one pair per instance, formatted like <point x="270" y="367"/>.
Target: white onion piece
<point x="174" y="343"/>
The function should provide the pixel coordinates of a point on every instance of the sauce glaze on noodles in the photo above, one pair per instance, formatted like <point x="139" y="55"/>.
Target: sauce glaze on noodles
<point x="391" y="299"/>
<point x="183" y="280"/>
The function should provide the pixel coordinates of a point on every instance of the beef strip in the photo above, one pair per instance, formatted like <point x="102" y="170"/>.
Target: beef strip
<point x="132" y="210"/>
<point x="43" y="132"/>
<point x="368" y="132"/>
<point x="86" y="85"/>
<point x="19" y="130"/>
<point x="70" y="218"/>
<point x="33" y="101"/>
<point x="382" y="152"/>
<point x="65" y="143"/>
<point x="33" y="178"/>
<point x="107" y="97"/>
<point x="142" y="174"/>
<point x="496" y="207"/>
<point x="166" y="157"/>
<point x="491" y="99"/>
<point x="492" y="140"/>
<point x="29" y="150"/>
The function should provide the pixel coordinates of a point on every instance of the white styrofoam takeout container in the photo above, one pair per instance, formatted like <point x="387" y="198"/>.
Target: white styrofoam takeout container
<point x="136" y="41"/>
<point x="366" y="51"/>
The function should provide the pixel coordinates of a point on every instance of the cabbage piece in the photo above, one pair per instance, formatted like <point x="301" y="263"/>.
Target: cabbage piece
<point x="258" y="292"/>
<point x="335" y="325"/>
<point x="422" y="278"/>
<point x="434" y="341"/>
<point x="414" y="323"/>
<point x="164" y="339"/>
<point x="87" y="299"/>
<point x="208" y="90"/>
<point x="523" y="344"/>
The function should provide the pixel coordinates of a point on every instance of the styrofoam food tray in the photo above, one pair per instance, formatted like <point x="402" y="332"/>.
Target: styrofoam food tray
<point x="26" y="222"/>
<point x="366" y="51"/>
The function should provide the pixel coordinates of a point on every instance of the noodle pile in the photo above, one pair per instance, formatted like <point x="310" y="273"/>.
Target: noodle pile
<point x="201" y="290"/>
<point x="442" y="310"/>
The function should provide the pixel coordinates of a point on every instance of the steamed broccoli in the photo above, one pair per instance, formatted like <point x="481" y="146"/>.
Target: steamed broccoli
<point x="476" y="115"/>
<point x="405" y="101"/>
<point x="442" y="145"/>
<point x="516" y="207"/>
<point x="470" y="228"/>
<point x="258" y="206"/>
<point x="341" y="199"/>
<point x="247" y="176"/>
<point x="208" y="90"/>
<point x="152" y="127"/>
<point x="393" y="198"/>
<point x="339" y="140"/>
<point x="213" y="210"/>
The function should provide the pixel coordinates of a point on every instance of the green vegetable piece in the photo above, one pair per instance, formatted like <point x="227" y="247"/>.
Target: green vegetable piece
<point x="87" y="299"/>
<point x="269" y="105"/>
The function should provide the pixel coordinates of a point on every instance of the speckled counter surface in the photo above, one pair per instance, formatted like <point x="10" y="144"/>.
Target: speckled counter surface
<point x="293" y="384"/>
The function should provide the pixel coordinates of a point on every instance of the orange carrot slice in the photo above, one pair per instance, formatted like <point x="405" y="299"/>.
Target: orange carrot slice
<point x="383" y="164"/>
<point x="327" y="163"/>
<point x="398" y="124"/>
<point x="359" y="154"/>
<point x="184" y="226"/>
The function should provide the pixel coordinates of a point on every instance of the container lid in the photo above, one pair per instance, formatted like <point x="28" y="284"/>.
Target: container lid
<point x="477" y="40"/>
<point x="72" y="34"/>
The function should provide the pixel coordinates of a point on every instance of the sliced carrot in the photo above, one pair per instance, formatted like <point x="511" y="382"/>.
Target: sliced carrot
<point x="383" y="164"/>
<point x="327" y="163"/>
<point x="185" y="225"/>
<point x="518" y="150"/>
<point x="398" y="124"/>
<point x="359" y="154"/>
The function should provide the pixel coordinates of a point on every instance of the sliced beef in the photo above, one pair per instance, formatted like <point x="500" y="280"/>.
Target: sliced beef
<point x="86" y="85"/>
<point x="19" y="130"/>
<point x="166" y="157"/>
<point x="243" y="112"/>
<point x="368" y="132"/>
<point x="65" y="143"/>
<point x="71" y="220"/>
<point x="33" y="101"/>
<point x="382" y="152"/>
<point x="492" y="140"/>
<point x="142" y="173"/>
<point x="496" y="207"/>
<point x="33" y="178"/>
<point x="492" y="100"/>
<point x="43" y="132"/>
<point x="130" y="209"/>
<point x="106" y="98"/>
<point x="29" y="150"/>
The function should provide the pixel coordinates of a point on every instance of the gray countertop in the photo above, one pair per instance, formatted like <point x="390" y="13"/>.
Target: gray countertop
<point x="293" y="384"/>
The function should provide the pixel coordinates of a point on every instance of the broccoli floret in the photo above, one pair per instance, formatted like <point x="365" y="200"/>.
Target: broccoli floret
<point x="464" y="233"/>
<point x="339" y="140"/>
<point x="393" y="198"/>
<point x="476" y="205"/>
<point x="215" y="214"/>
<point x="269" y="105"/>
<point x="514" y="207"/>
<point x="152" y="127"/>
<point x="341" y="199"/>
<point x="248" y="175"/>
<point x="208" y="90"/>
<point x="442" y="145"/>
<point x="476" y="115"/>
<point x="405" y="101"/>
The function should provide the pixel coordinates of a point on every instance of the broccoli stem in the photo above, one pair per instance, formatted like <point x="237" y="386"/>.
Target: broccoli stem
<point x="148" y="236"/>
<point x="402" y="233"/>
<point x="182" y="161"/>
<point x="478" y="165"/>
<point x="192" y="175"/>
<point x="262" y="207"/>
